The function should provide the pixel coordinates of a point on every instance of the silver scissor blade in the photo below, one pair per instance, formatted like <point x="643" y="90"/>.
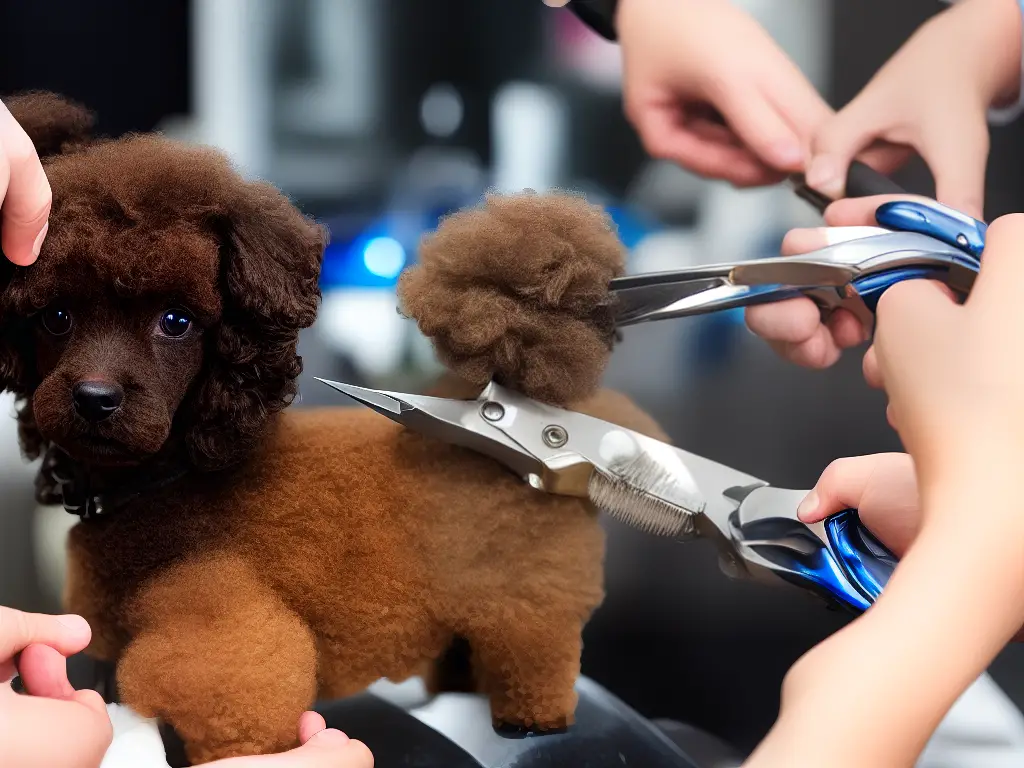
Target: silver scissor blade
<point x="456" y="422"/>
<point x="639" y="298"/>
<point x="378" y="401"/>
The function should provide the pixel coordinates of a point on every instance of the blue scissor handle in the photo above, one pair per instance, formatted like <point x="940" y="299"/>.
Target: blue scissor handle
<point x="871" y="287"/>
<point x="935" y="220"/>
<point x="852" y="570"/>
<point x="864" y="560"/>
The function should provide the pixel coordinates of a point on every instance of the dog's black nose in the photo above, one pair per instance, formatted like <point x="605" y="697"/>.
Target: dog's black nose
<point x="96" y="400"/>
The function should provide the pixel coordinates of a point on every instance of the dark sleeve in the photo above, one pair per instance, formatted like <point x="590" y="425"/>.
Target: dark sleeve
<point x="599" y="15"/>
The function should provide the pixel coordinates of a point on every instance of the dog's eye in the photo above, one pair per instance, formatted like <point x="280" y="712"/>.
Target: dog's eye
<point x="175" y="323"/>
<point x="56" y="321"/>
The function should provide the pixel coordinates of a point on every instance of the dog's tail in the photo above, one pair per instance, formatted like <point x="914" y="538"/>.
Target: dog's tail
<point x="517" y="291"/>
<point x="56" y="125"/>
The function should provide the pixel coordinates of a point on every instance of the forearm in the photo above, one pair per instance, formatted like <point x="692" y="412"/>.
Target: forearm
<point x="890" y="677"/>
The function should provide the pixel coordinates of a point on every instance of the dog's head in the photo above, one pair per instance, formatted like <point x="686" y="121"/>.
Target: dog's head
<point x="164" y="310"/>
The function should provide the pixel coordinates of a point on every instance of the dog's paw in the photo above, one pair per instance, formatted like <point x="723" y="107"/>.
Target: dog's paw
<point x="137" y="741"/>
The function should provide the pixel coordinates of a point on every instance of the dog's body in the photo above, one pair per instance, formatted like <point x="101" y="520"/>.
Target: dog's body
<point x="346" y="550"/>
<point x="260" y="559"/>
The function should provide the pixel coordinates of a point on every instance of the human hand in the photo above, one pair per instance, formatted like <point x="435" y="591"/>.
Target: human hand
<point x="322" y="747"/>
<point x="794" y="328"/>
<point x="948" y="370"/>
<point x="932" y="96"/>
<point x="957" y="596"/>
<point x="882" y="487"/>
<point x="24" y="193"/>
<point x="53" y="725"/>
<point x="705" y="86"/>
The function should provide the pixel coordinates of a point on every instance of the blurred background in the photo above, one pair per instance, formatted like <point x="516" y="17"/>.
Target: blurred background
<point x="379" y="116"/>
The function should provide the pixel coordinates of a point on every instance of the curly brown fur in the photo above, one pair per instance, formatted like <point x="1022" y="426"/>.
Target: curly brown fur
<point x="55" y="125"/>
<point x="333" y="548"/>
<point x="140" y="221"/>
<point x="517" y="290"/>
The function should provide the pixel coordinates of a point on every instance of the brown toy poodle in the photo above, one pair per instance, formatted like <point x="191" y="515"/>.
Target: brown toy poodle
<point x="237" y="561"/>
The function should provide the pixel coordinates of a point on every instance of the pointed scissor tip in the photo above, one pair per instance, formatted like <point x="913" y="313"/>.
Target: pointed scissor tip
<point x="371" y="397"/>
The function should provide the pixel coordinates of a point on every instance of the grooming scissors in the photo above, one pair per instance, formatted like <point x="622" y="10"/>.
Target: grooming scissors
<point x="914" y="239"/>
<point x="667" y="491"/>
<point x="654" y="487"/>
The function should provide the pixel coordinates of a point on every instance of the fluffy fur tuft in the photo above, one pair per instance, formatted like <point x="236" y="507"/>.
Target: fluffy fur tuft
<point x="55" y="124"/>
<point x="517" y="290"/>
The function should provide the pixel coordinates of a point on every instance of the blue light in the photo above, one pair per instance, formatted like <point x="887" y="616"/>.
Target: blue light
<point x="384" y="257"/>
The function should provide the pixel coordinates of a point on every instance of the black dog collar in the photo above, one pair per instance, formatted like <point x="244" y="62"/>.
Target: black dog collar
<point x="61" y="480"/>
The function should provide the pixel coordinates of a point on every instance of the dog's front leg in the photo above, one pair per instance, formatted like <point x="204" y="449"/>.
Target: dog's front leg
<point x="217" y="655"/>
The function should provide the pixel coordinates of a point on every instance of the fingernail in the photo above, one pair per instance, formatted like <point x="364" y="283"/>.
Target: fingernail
<point x="808" y="505"/>
<point x="823" y="175"/>
<point x="788" y="154"/>
<point x="37" y="246"/>
<point x="76" y="624"/>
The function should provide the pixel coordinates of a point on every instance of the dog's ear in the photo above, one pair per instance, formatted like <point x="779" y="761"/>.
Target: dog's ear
<point x="55" y="125"/>
<point x="270" y="276"/>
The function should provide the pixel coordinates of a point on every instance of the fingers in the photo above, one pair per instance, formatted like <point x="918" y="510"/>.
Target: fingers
<point x="65" y="634"/>
<point x="43" y="671"/>
<point x="798" y="241"/>
<point x="835" y="145"/>
<point x="860" y="211"/>
<point x="25" y="193"/>
<point x="761" y="127"/>
<point x="841" y="486"/>
<point x="343" y="751"/>
<point x="71" y="734"/>
<point x="872" y="373"/>
<point x="846" y="330"/>
<point x="310" y="724"/>
<point x="885" y="157"/>
<point x="322" y="747"/>
<point x="665" y="136"/>
<point x="957" y="155"/>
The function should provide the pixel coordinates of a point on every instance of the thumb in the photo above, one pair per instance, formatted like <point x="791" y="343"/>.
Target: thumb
<point x="838" y="141"/>
<point x="24" y="192"/>
<point x="18" y="630"/>
<point x="957" y="155"/>
<point x="841" y="486"/>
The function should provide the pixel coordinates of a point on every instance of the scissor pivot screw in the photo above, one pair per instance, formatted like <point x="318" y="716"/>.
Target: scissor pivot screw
<point x="493" y="411"/>
<point x="555" y="436"/>
<point x="961" y="240"/>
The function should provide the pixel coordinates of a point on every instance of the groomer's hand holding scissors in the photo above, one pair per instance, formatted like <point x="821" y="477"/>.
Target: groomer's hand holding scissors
<point x="882" y="487"/>
<point x="933" y="97"/>
<point x="794" y="328"/>
<point x="873" y="693"/>
<point x="706" y="87"/>
<point x="24" y="193"/>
